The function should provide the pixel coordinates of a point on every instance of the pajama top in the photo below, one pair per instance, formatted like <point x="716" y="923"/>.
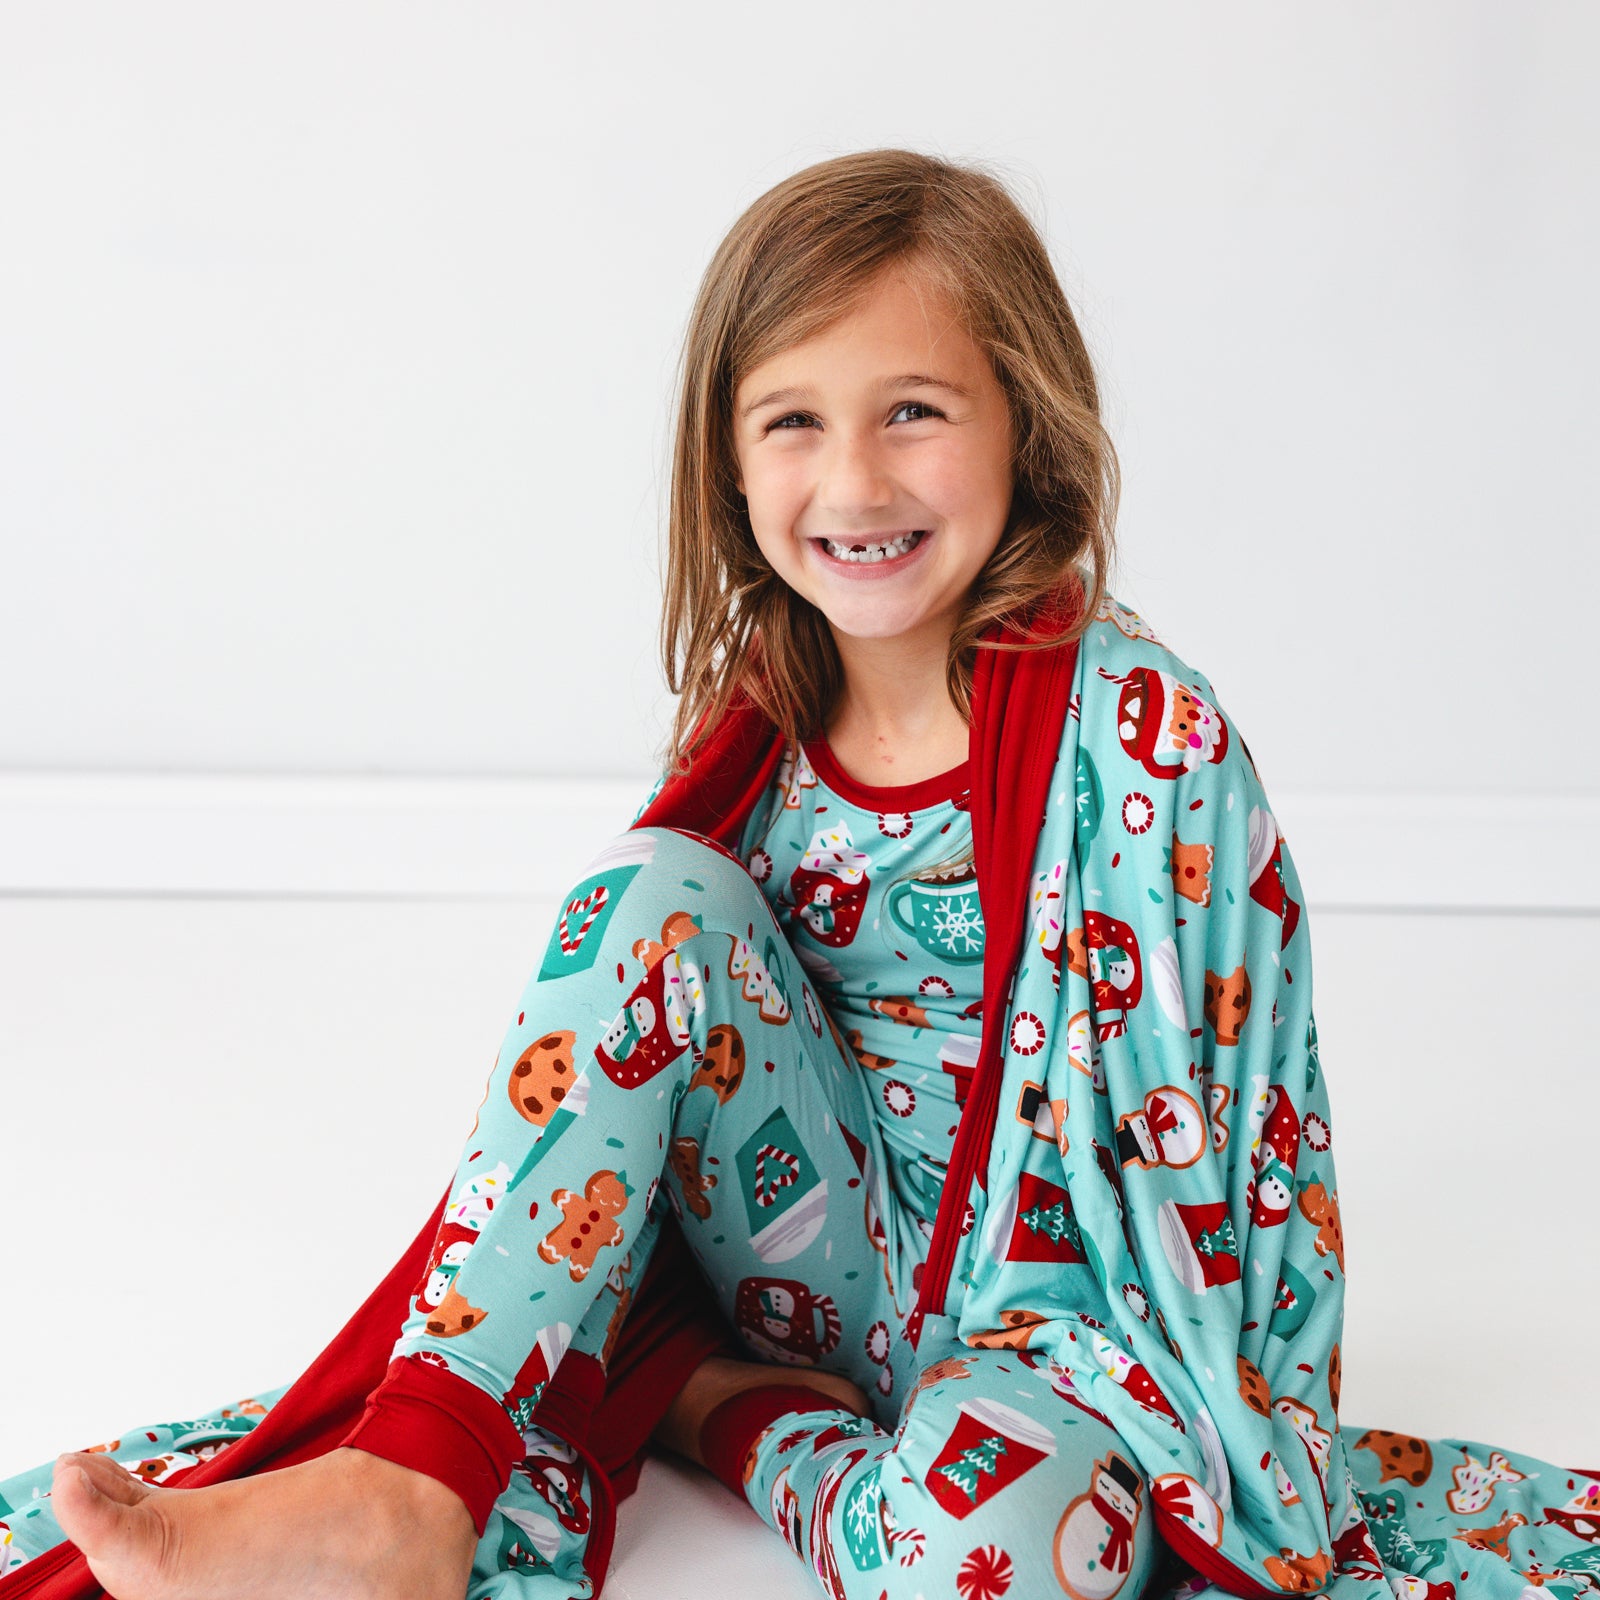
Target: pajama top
<point x="893" y="943"/>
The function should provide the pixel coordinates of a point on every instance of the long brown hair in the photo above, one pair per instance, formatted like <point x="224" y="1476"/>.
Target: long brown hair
<point x="798" y="259"/>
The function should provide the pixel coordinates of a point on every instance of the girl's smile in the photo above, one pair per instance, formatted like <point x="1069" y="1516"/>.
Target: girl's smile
<point x="865" y="558"/>
<point x="887" y="429"/>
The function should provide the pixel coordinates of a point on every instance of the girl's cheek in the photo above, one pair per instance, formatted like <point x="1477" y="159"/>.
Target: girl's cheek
<point x="780" y="489"/>
<point x="950" y="473"/>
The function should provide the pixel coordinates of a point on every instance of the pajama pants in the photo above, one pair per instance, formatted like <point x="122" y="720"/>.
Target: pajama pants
<point x="670" y="1050"/>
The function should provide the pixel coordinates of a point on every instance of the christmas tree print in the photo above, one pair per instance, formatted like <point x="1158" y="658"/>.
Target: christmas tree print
<point x="521" y="1409"/>
<point x="1055" y="1222"/>
<point x="984" y="1456"/>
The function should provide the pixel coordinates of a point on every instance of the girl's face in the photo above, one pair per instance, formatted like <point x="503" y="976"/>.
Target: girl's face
<point x="887" y="426"/>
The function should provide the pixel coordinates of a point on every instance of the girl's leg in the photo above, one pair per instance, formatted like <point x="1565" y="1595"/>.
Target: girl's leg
<point x="995" y="1482"/>
<point x="618" y="1058"/>
<point x="980" y="1472"/>
<point x="654" y="1034"/>
<point x="779" y="1179"/>
<point x="668" y="1036"/>
<point x="773" y="1162"/>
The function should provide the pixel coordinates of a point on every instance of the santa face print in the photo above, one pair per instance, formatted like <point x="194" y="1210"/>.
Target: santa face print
<point x="888" y="429"/>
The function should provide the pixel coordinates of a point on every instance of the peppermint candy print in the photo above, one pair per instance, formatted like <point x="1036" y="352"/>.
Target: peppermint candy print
<point x="1027" y="1034"/>
<point x="813" y="1015"/>
<point x="1138" y="812"/>
<point x="900" y="1098"/>
<point x="985" y="1574"/>
<point x="877" y="1343"/>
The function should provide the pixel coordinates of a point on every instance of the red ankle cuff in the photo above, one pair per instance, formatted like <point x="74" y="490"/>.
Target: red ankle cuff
<point x="731" y="1427"/>
<point x="435" y="1421"/>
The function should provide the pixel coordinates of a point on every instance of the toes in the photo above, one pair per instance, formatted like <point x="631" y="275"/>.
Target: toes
<point x="106" y="1477"/>
<point x="105" y="1512"/>
<point x="79" y="1506"/>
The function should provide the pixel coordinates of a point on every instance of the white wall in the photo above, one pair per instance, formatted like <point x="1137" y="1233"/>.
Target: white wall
<point x="335" y="360"/>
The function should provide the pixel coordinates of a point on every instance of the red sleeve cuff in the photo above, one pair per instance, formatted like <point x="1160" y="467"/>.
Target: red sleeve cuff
<point x="428" y="1418"/>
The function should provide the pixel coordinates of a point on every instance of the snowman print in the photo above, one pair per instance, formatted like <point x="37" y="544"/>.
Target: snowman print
<point x="1094" y="1540"/>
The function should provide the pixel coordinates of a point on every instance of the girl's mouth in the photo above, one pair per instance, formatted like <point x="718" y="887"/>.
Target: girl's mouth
<point x="862" y="558"/>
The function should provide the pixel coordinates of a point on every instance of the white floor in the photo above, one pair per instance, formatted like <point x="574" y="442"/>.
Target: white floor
<point x="224" y="1118"/>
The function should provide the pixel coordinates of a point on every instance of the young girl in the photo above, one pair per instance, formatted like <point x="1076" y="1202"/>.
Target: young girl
<point x="949" y="1002"/>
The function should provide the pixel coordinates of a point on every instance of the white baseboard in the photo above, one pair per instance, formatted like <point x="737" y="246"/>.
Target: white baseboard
<point x="88" y="833"/>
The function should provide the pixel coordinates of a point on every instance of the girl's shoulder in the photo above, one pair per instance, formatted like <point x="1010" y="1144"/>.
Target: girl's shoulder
<point x="1138" y="699"/>
<point x="1120" y="642"/>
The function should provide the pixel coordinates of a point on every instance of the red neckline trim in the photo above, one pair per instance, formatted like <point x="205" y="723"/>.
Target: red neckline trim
<point x="937" y="790"/>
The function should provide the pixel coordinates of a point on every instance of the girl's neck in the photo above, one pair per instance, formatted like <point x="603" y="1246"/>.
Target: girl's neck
<point x="893" y="721"/>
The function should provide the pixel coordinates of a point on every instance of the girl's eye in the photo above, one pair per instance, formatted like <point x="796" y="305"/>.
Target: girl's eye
<point x="803" y="419"/>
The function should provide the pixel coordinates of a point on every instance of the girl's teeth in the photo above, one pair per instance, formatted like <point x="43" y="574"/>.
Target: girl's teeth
<point x="872" y="552"/>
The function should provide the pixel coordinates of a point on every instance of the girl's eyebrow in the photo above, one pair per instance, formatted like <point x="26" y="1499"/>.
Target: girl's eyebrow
<point x="906" y="379"/>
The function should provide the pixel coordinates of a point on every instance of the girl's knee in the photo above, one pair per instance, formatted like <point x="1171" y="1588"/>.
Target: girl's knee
<point x="665" y="841"/>
<point x="978" y="1488"/>
<point x="647" y="892"/>
<point x="681" y="866"/>
<point x="678" y="910"/>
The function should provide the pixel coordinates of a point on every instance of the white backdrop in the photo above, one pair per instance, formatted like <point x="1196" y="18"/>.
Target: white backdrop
<point x="334" y="369"/>
<point x="336" y="343"/>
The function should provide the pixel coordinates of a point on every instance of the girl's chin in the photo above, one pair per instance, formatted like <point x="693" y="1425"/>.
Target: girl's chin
<point x="874" y="619"/>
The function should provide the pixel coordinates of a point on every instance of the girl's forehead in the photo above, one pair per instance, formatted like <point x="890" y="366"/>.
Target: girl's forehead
<point x="894" y="307"/>
<point x="902" y="332"/>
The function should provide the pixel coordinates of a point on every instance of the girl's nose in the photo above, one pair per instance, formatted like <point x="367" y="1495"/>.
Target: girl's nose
<point x="853" y="477"/>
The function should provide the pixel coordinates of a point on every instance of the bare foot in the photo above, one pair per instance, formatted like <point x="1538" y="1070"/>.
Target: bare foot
<point x="718" y="1377"/>
<point x="344" y="1526"/>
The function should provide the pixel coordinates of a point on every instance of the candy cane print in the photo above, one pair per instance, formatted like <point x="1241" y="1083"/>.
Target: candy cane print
<point x="767" y="1193"/>
<point x="593" y="904"/>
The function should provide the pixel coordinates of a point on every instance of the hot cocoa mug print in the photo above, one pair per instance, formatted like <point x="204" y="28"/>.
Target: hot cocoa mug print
<point x="942" y="914"/>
